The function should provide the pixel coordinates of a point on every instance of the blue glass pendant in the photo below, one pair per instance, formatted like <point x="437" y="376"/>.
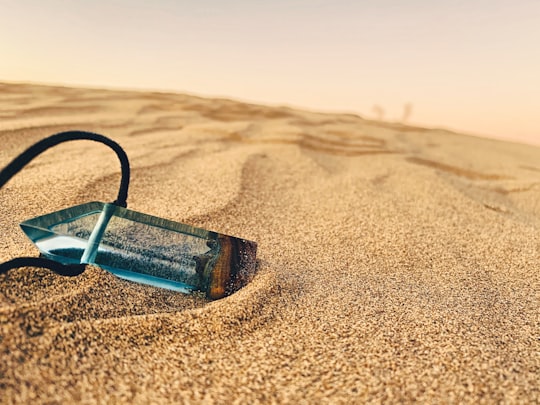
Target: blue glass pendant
<point x="144" y="248"/>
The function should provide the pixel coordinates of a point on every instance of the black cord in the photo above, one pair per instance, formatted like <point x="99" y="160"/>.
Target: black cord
<point x="24" y="158"/>
<point x="27" y="156"/>
<point x="69" y="270"/>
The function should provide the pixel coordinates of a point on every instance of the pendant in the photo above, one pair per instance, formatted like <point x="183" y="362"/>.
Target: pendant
<point x="145" y="248"/>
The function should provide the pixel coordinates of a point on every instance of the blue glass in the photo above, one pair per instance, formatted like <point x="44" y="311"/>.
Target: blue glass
<point x="144" y="248"/>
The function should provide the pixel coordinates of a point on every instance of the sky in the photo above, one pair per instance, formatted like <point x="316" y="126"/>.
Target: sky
<point x="471" y="66"/>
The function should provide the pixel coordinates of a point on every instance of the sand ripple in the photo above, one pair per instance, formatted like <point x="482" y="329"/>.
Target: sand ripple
<point x="396" y="264"/>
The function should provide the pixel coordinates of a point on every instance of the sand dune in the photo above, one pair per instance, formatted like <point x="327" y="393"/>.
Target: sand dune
<point x="395" y="263"/>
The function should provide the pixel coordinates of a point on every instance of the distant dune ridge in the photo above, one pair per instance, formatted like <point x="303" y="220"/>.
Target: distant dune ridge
<point x="395" y="263"/>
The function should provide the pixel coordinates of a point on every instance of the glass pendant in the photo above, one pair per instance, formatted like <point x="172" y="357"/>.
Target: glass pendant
<point x="144" y="248"/>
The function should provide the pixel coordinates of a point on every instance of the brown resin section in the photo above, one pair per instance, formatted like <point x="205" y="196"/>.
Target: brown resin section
<point x="234" y="267"/>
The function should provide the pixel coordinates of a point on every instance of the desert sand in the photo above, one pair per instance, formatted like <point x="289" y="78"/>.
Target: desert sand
<point x="395" y="263"/>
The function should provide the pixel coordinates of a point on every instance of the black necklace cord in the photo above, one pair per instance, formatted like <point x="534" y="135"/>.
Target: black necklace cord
<point x="69" y="270"/>
<point x="26" y="157"/>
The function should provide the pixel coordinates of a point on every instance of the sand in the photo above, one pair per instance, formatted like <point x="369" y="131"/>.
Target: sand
<point x="396" y="264"/>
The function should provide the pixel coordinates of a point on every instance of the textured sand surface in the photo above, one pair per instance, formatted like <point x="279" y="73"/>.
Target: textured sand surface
<point x="395" y="263"/>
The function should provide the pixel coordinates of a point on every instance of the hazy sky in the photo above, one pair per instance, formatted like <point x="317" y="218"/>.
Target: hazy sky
<point x="468" y="65"/>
